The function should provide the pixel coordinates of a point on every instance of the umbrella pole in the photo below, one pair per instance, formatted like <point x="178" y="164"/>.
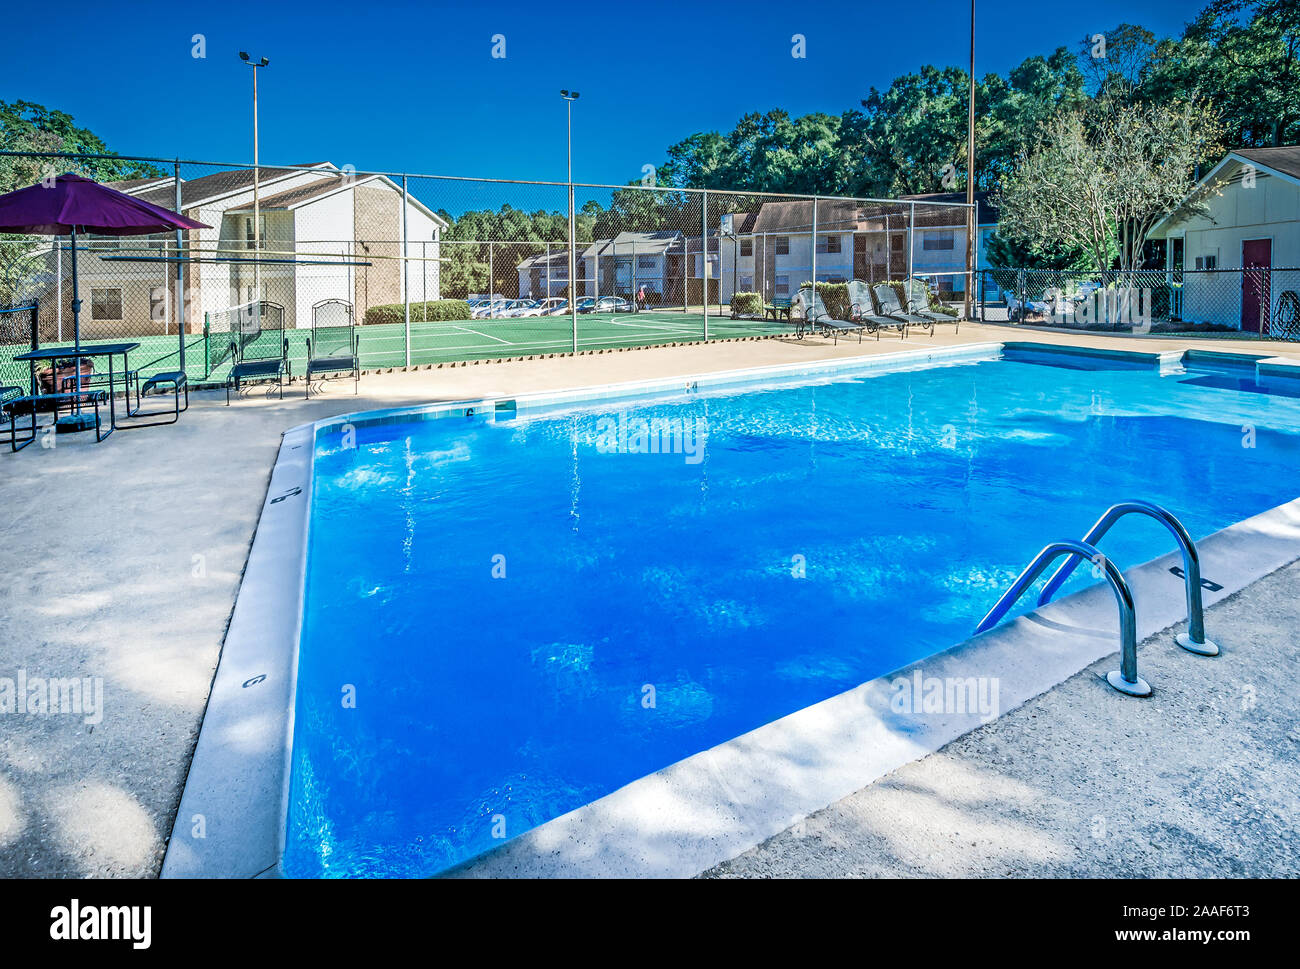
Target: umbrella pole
<point x="76" y="421"/>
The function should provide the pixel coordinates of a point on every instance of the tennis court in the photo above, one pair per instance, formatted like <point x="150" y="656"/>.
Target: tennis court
<point x="207" y="359"/>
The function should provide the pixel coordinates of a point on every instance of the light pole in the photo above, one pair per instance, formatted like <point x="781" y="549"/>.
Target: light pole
<point x="570" y="97"/>
<point x="257" y="208"/>
<point x="973" y="223"/>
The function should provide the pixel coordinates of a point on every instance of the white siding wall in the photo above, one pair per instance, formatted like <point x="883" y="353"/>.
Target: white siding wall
<point x="423" y="269"/>
<point x="1269" y="210"/>
<point x="214" y="280"/>
<point x="324" y="227"/>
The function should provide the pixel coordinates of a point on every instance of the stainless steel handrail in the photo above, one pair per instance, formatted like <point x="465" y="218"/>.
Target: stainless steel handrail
<point x="1193" y="640"/>
<point x="1125" y="679"/>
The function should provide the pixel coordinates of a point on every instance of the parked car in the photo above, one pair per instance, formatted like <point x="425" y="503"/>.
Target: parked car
<point x="541" y="307"/>
<point x="614" y="304"/>
<point x="490" y="310"/>
<point x="522" y="307"/>
<point x="554" y="306"/>
<point x="586" y="304"/>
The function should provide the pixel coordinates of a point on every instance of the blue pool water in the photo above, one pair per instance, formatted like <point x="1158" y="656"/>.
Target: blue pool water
<point x="498" y="596"/>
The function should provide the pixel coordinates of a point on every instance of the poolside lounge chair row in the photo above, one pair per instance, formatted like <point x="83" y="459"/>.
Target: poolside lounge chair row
<point x="871" y="310"/>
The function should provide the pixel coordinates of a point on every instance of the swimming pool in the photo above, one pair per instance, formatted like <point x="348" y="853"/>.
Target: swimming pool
<point x="509" y="615"/>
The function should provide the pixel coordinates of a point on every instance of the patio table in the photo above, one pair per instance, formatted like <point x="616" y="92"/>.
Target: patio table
<point x="109" y="350"/>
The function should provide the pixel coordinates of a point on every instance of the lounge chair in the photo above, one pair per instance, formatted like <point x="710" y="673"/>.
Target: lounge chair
<point x="816" y="315"/>
<point x="862" y="309"/>
<point x="888" y="304"/>
<point x="259" y="347"/>
<point x="334" y="346"/>
<point x="918" y="304"/>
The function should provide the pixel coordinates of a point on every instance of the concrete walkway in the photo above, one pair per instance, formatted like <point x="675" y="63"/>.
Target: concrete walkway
<point x="1202" y="780"/>
<point x="121" y="564"/>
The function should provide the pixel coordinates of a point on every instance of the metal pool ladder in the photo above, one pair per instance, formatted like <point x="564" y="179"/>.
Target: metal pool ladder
<point x="1126" y="678"/>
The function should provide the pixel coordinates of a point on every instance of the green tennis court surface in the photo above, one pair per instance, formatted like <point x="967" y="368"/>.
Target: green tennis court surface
<point x="383" y="345"/>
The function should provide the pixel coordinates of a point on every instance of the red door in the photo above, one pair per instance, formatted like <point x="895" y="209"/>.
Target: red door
<point x="1256" y="260"/>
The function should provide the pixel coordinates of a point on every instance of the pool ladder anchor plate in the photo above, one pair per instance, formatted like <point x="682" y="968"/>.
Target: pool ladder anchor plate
<point x="1125" y="679"/>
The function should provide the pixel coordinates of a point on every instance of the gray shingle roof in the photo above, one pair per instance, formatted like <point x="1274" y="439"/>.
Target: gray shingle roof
<point x="986" y="212"/>
<point x="1285" y="159"/>
<point x="196" y="191"/>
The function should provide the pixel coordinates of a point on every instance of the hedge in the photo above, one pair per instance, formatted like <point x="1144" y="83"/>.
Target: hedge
<point x="432" y="311"/>
<point x="750" y="303"/>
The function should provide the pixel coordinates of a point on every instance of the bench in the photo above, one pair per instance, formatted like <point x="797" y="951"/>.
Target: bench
<point x="105" y="379"/>
<point x="173" y="379"/>
<point x="93" y="397"/>
<point x="778" y="308"/>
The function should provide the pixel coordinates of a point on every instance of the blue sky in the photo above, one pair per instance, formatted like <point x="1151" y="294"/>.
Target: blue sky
<point x="410" y="86"/>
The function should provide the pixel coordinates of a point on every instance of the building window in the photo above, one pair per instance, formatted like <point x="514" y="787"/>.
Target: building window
<point x="105" y="304"/>
<point x="782" y="285"/>
<point x="828" y="244"/>
<point x="158" y="304"/>
<point x="647" y="262"/>
<point x="1209" y="261"/>
<point x="782" y="245"/>
<point x="747" y="283"/>
<point x="746" y="247"/>
<point x="937" y="240"/>
<point x="896" y="243"/>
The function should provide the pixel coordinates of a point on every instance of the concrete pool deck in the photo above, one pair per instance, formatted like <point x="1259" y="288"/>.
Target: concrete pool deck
<point x="1198" y="781"/>
<point x="123" y="563"/>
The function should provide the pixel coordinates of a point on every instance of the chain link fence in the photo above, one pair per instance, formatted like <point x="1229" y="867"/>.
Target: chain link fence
<point x="1263" y="302"/>
<point x="439" y="269"/>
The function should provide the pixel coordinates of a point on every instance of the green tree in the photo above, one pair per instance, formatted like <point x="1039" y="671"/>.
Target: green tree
<point x="1245" y="55"/>
<point x="29" y="127"/>
<point x="1103" y="176"/>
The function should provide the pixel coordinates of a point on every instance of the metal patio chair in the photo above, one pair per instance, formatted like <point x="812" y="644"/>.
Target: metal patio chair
<point x="259" y="347"/>
<point x="334" y="346"/>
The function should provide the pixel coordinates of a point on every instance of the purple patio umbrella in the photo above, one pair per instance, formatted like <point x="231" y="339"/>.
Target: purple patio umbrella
<point x="70" y="204"/>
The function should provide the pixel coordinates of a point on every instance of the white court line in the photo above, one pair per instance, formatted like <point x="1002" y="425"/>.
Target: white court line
<point x="486" y="336"/>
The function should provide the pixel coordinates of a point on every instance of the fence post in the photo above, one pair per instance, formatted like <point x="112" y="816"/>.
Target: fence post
<point x="704" y="261"/>
<point x="207" y="346"/>
<point x="492" y="290"/>
<point x="180" y="272"/>
<point x="548" y="270"/>
<point x="406" y="275"/>
<point x="911" y="240"/>
<point x="1020" y="294"/>
<point x="573" y="270"/>
<point x="813" y="268"/>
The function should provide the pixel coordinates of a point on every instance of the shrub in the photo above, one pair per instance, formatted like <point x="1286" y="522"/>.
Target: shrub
<point x="431" y="311"/>
<point x="746" y="303"/>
